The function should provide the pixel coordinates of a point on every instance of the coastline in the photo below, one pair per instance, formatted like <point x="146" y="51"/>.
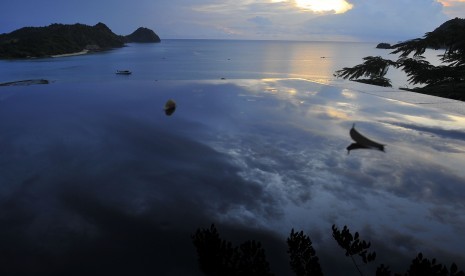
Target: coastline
<point x="83" y="52"/>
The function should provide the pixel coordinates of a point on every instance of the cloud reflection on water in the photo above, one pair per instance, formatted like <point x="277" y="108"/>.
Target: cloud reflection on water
<point x="416" y="168"/>
<point x="106" y="175"/>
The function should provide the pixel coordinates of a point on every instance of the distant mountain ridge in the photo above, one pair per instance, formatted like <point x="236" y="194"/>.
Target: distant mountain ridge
<point x="59" y="39"/>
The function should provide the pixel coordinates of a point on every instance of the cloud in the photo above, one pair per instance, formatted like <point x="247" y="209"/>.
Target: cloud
<point x="388" y="20"/>
<point x="260" y="20"/>
<point x="454" y="8"/>
<point x="382" y="20"/>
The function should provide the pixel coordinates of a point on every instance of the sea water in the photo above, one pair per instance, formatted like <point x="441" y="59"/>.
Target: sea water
<point x="205" y="59"/>
<point x="95" y="178"/>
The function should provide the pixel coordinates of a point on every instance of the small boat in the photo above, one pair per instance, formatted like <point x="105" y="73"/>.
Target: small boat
<point x="123" y="72"/>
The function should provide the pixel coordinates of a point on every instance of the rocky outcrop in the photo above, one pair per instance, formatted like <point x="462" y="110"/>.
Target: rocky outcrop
<point x="143" y="35"/>
<point x="384" y="46"/>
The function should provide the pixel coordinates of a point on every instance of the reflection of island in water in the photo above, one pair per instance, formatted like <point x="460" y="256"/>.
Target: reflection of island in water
<point x="362" y="142"/>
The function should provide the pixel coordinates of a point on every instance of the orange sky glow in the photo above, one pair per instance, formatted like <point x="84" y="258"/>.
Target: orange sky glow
<point x="449" y="3"/>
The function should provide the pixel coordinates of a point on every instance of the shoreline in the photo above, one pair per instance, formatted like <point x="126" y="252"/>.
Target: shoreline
<point x="83" y="52"/>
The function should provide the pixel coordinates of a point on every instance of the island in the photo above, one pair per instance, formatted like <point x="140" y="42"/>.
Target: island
<point x="63" y="40"/>
<point x="384" y="45"/>
<point x="143" y="35"/>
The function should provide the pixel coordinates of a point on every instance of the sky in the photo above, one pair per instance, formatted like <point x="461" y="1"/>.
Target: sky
<point x="312" y="20"/>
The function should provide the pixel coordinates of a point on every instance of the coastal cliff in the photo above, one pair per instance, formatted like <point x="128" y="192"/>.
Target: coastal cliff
<point x="61" y="39"/>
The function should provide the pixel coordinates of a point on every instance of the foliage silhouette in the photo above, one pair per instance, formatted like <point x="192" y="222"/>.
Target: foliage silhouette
<point x="383" y="270"/>
<point x="446" y="80"/>
<point x="423" y="266"/>
<point x="374" y="68"/>
<point x="304" y="261"/>
<point x="218" y="257"/>
<point x="353" y="245"/>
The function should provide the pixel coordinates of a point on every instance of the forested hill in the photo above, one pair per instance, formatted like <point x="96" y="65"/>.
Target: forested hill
<point x="453" y="23"/>
<point x="58" y="39"/>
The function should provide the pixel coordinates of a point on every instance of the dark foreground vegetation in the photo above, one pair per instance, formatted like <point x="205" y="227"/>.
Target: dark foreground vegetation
<point x="58" y="39"/>
<point x="446" y="80"/>
<point x="219" y="257"/>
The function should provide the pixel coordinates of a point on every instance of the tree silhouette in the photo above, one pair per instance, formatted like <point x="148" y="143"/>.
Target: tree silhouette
<point x="218" y="257"/>
<point x="353" y="246"/>
<point x="304" y="261"/>
<point x="446" y="80"/>
<point x="374" y="69"/>
<point x="383" y="270"/>
<point x="423" y="266"/>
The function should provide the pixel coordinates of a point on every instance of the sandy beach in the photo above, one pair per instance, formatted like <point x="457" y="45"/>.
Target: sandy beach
<point x="83" y="52"/>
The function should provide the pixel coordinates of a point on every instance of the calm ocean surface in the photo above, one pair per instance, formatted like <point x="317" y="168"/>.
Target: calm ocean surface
<point x="204" y="59"/>
<point x="95" y="179"/>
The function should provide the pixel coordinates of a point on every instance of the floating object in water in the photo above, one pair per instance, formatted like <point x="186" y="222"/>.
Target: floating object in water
<point x="362" y="142"/>
<point x="170" y="107"/>
<point x="123" y="72"/>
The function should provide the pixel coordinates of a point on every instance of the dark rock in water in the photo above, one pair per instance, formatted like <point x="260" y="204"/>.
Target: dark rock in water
<point x="143" y="35"/>
<point x="170" y="107"/>
<point x="384" y="46"/>
<point x="25" y="82"/>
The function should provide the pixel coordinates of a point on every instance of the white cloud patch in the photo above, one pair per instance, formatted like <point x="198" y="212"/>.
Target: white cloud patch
<point x="365" y="20"/>
<point x="393" y="19"/>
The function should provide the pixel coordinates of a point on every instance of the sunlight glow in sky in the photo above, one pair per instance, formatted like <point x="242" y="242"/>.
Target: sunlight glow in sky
<point x="449" y="3"/>
<point x="338" y="6"/>
<point x="311" y="20"/>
